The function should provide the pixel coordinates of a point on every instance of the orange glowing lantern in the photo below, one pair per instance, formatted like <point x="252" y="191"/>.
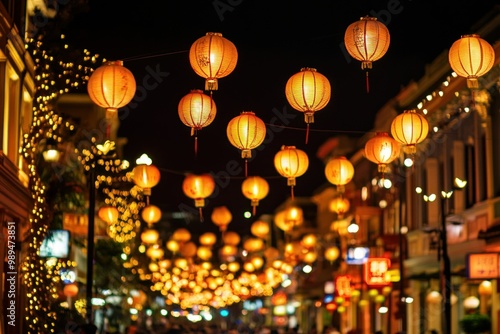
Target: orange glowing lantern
<point x="367" y="40"/>
<point x="382" y="150"/>
<point x="204" y="253"/>
<point x="253" y="245"/>
<point x="289" y="218"/>
<point x="255" y="188"/>
<point x="339" y="171"/>
<point x="181" y="235"/>
<point x="291" y="163"/>
<point x="231" y="238"/>
<point x="108" y="214"/>
<point x="409" y="129"/>
<point x="213" y="57"/>
<point x="70" y="290"/>
<point x="196" y="110"/>
<point x="173" y="246"/>
<point x="146" y="177"/>
<point x="221" y="216"/>
<point x="208" y="239"/>
<point x="332" y="253"/>
<point x="151" y="214"/>
<point x="198" y="187"/>
<point x="471" y="57"/>
<point x="308" y="91"/>
<point x="111" y="86"/>
<point x="188" y="249"/>
<point x="260" y="229"/>
<point x="246" y="132"/>
<point x="340" y="205"/>
<point x="150" y="236"/>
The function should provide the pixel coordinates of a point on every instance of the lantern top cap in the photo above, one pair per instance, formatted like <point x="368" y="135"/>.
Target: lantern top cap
<point x="196" y="91"/>
<point x="308" y="69"/>
<point x="285" y="147"/>
<point x="470" y="36"/>
<point x="368" y="18"/>
<point x="410" y="111"/>
<point x="382" y="133"/>
<point x="214" y="34"/>
<point x="114" y="62"/>
<point x="247" y="113"/>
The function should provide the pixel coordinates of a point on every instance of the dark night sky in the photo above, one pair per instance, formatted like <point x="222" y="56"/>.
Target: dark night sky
<point x="275" y="39"/>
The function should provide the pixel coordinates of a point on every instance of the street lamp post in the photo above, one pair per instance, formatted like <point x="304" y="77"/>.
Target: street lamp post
<point x="446" y="282"/>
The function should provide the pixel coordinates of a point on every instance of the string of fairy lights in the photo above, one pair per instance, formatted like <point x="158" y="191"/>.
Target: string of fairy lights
<point x="54" y="76"/>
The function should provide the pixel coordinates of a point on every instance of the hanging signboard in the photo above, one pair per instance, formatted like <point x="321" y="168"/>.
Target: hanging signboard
<point x="483" y="266"/>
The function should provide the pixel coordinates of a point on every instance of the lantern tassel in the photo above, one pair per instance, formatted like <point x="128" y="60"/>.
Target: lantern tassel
<point x="291" y="192"/>
<point x="201" y="214"/>
<point x="246" y="167"/>
<point x="367" y="83"/>
<point x="254" y="210"/>
<point x="307" y="133"/>
<point x="196" y="145"/>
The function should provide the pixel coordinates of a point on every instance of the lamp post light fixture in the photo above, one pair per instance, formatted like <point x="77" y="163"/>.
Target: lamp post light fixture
<point x="446" y="277"/>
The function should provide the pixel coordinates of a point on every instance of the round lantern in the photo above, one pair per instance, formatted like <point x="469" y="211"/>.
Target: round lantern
<point x="70" y="290"/>
<point x="253" y="245"/>
<point x="246" y="132"/>
<point x="471" y="57"/>
<point x="332" y="253"/>
<point x="204" y="253"/>
<point x="108" y="214"/>
<point x="196" y="110"/>
<point x="146" y="177"/>
<point x="308" y="91"/>
<point x="255" y="188"/>
<point x="188" y="249"/>
<point x="150" y="236"/>
<point x="213" y="57"/>
<point x="208" y="239"/>
<point x="291" y="163"/>
<point x="409" y="129"/>
<point x="198" y="187"/>
<point x="339" y="171"/>
<point x="289" y="218"/>
<point x="231" y="238"/>
<point x="173" y="246"/>
<point x="221" y="216"/>
<point x="260" y="229"/>
<point x="340" y="205"/>
<point x="382" y="150"/>
<point x="151" y="214"/>
<point x="111" y="86"/>
<point x="154" y="252"/>
<point x="181" y="235"/>
<point x="367" y="40"/>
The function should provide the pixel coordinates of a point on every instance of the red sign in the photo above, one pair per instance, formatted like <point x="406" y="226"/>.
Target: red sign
<point x="483" y="266"/>
<point x="343" y="286"/>
<point x="376" y="271"/>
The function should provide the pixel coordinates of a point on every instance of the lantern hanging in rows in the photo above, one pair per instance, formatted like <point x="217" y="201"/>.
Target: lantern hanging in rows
<point x="255" y="188"/>
<point x="213" y="57"/>
<point x="146" y="177"/>
<point x="340" y="205"/>
<point x="198" y="187"/>
<point x="150" y="236"/>
<point x="221" y="216"/>
<point x="409" y="129"/>
<point x="111" y="86"/>
<point x="151" y="214"/>
<point x="367" y="40"/>
<point x="308" y="91"/>
<point x="196" y="110"/>
<point x="108" y="214"/>
<point x="471" y="57"/>
<point x="339" y="171"/>
<point x="289" y="218"/>
<point x="260" y="229"/>
<point x="382" y="149"/>
<point x="291" y="163"/>
<point x="246" y="132"/>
